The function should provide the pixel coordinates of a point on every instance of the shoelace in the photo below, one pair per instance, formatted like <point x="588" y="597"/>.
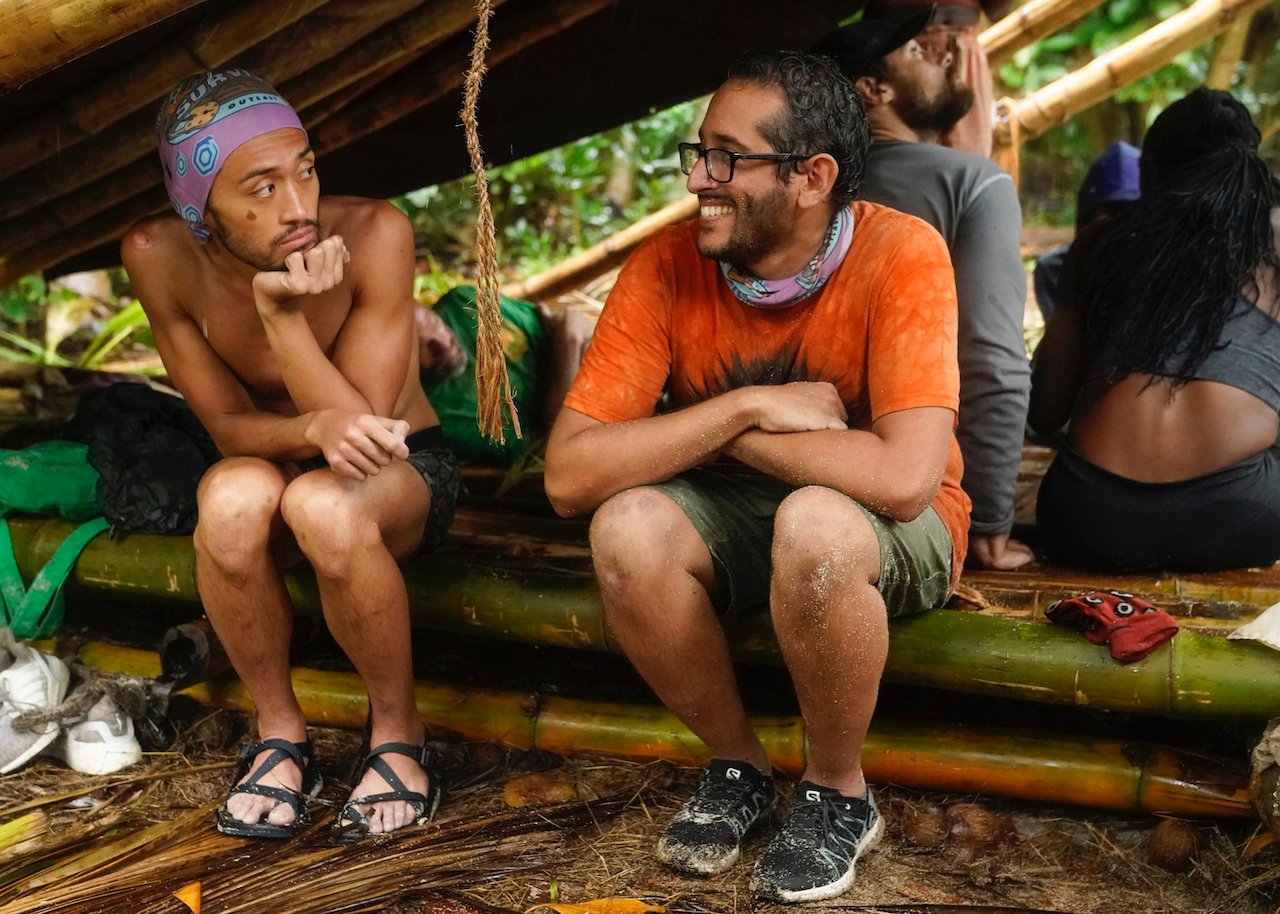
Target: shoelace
<point x="713" y="793"/>
<point x="810" y="820"/>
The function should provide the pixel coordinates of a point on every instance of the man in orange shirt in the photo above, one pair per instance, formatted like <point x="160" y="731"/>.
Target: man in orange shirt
<point x="813" y="339"/>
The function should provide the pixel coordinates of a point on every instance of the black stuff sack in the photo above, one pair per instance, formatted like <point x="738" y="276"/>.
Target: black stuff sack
<point x="150" y="451"/>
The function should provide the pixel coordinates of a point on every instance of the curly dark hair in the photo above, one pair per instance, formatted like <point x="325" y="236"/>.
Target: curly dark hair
<point x="822" y="113"/>
<point x="1164" y="288"/>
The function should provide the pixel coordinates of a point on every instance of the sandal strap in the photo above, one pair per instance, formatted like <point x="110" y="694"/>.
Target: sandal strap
<point x="421" y="801"/>
<point x="424" y="755"/>
<point x="302" y="754"/>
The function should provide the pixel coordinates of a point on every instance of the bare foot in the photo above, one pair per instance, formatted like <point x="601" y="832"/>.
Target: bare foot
<point x="390" y="815"/>
<point x="251" y="809"/>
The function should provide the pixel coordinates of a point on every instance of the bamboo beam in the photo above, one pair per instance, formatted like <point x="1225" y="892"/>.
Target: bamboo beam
<point x="1103" y="76"/>
<point x="331" y="31"/>
<point x="1230" y="51"/>
<point x="1033" y="765"/>
<point x="131" y="140"/>
<point x="380" y="53"/>
<point x="1029" y="22"/>
<point x="420" y="85"/>
<point x="124" y="134"/>
<point x="469" y="591"/>
<point x="420" y="28"/>
<point x="1006" y="141"/>
<point x="144" y="82"/>
<point x="55" y="32"/>
<point x="581" y="268"/>
<point x="84" y="236"/>
<point x="31" y="230"/>
<point x="384" y="50"/>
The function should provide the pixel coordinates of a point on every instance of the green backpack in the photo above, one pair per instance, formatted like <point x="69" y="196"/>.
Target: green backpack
<point x="53" y="478"/>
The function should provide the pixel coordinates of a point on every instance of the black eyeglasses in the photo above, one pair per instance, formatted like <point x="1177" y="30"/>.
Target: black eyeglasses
<point x="720" y="162"/>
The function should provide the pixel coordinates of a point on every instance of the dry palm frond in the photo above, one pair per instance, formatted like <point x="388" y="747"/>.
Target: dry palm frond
<point x="308" y="875"/>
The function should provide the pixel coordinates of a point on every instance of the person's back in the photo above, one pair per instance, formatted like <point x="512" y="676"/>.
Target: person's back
<point x="911" y="101"/>
<point x="1164" y="354"/>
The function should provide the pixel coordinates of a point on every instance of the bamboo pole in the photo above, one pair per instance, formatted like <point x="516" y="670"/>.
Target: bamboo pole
<point x="144" y="81"/>
<point x="131" y="140"/>
<point x="397" y="42"/>
<point x="67" y="214"/>
<point x="1041" y="766"/>
<point x="420" y="85"/>
<point x="469" y="592"/>
<point x="1103" y="76"/>
<point x="84" y="236"/>
<point x="1006" y="141"/>
<point x="124" y="135"/>
<point x="415" y="87"/>
<point x="330" y="32"/>
<point x="1031" y="21"/>
<point x="1230" y="51"/>
<point x="599" y="258"/>
<point x="55" y="32"/>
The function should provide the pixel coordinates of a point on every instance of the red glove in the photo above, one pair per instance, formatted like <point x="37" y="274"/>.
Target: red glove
<point x="1131" y="626"/>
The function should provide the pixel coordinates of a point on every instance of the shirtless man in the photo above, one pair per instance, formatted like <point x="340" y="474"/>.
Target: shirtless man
<point x="286" y="320"/>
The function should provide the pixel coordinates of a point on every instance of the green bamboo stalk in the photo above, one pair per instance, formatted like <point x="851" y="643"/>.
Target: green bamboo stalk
<point x="513" y="598"/>
<point x="1046" y="767"/>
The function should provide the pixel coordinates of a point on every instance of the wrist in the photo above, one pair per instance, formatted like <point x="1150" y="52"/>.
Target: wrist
<point x="311" y="428"/>
<point x="745" y="412"/>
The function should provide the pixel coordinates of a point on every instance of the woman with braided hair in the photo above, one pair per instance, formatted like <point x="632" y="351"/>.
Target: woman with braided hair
<point x="1165" y="357"/>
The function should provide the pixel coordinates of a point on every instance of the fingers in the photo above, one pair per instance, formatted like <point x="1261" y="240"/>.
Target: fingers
<point x="390" y="435"/>
<point x="317" y="270"/>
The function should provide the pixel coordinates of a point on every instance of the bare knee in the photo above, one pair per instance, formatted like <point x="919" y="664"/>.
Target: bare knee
<point x="640" y="539"/>
<point x="822" y="541"/>
<point x="329" y="523"/>
<point x="239" y="500"/>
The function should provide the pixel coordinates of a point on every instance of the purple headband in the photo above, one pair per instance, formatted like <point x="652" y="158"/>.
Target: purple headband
<point x="201" y="123"/>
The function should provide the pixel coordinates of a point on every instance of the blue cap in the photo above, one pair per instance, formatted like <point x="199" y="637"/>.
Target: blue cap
<point x="1112" y="178"/>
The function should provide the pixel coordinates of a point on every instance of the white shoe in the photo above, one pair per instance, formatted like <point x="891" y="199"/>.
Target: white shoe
<point x="31" y="681"/>
<point x="102" y="743"/>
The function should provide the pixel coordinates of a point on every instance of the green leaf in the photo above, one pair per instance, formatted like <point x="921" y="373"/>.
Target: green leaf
<point x="118" y="329"/>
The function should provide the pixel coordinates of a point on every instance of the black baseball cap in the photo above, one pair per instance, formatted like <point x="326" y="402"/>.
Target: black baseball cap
<point x="856" y="48"/>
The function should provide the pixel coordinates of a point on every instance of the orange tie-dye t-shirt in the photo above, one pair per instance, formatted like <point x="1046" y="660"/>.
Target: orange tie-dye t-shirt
<point x="882" y="330"/>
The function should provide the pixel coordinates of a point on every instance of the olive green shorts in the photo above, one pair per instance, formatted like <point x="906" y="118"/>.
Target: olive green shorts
<point x="733" y="513"/>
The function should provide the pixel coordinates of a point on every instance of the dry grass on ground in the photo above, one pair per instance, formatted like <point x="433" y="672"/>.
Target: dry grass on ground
<point x="942" y="853"/>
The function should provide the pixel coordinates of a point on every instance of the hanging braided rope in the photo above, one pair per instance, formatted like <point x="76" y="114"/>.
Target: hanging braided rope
<point x="493" y="388"/>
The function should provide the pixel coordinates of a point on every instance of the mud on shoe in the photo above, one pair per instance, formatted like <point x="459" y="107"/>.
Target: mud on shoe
<point x="705" y="837"/>
<point x="814" y="854"/>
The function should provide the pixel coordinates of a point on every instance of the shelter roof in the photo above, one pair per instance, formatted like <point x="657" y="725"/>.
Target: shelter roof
<point x="377" y="82"/>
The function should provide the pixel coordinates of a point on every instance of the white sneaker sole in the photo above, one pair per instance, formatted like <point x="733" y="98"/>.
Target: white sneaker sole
<point x="105" y="755"/>
<point x="835" y="888"/>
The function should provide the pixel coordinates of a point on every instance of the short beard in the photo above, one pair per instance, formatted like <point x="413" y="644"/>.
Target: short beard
<point x="757" y="230"/>
<point x="241" y="249"/>
<point x="940" y="115"/>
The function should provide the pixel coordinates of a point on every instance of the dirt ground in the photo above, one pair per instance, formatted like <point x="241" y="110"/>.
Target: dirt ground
<point x="941" y="853"/>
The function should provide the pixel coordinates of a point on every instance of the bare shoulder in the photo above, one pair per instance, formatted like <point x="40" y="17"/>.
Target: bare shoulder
<point x="155" y="250"/>
<point x="379" y="237"/>
<point x="360" y="219"/>
<point x="156" y="236"/>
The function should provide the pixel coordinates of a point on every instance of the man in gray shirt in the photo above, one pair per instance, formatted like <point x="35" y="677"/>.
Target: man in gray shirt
<point x="972" y="202"/>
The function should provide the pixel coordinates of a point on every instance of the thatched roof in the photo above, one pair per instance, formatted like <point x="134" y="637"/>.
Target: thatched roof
<point x="377" y="83"/>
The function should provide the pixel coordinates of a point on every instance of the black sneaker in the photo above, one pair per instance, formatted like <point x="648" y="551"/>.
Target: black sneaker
<point x="813" y="856"/>
<point x="705" y="836"/>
